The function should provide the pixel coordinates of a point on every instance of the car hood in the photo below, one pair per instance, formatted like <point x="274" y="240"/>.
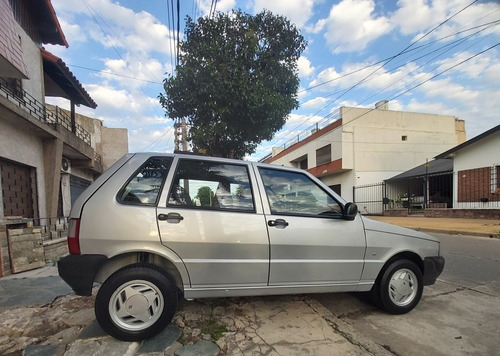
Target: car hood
<point x="374" y="225"/>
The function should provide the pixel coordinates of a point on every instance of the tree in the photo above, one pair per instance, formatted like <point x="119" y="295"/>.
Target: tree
<point x="236" y="82"/>
<point x="205" y="196"/>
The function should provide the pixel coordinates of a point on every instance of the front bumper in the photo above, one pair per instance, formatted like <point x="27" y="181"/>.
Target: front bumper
<point x="79" y="271"/>
<point x="433" y="266"/>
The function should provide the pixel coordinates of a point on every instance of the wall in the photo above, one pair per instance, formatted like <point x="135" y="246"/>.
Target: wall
<point x="33" y="60"/>
<point x="31" y="154"/>
<point x="470" y="164"/>
<point x="370" y="144"/>
<point x="114" y="145"/>
<point x="379" y="144"/>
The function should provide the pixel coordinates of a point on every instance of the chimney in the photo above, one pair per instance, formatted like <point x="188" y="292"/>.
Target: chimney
<point x="382" y="105"/>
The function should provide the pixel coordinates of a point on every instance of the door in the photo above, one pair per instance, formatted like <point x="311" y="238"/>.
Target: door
<point x="311" y="244"/>
<point x="213" y="222"/>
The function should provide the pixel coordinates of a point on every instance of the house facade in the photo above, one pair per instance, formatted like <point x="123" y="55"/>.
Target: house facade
<point x="47" y="155"/>
<point x="476" y="171"/>
<point x="364" y="146"/>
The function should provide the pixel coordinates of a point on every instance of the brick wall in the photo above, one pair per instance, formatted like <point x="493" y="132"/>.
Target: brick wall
<point x="475" y="185"/>
<point x="463" y="213"/>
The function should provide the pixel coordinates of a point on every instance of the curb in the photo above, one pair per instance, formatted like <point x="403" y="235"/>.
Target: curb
<point x="455" y="232"/>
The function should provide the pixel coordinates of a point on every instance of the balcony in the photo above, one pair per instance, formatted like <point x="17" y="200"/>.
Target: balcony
<point x="77" y="140"/>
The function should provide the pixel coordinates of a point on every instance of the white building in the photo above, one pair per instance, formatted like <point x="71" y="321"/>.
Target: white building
<point x="476" y="171"/>
<point x="364" y="146"/>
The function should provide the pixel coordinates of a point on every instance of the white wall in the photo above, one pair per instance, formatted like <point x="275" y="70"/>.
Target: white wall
<point x="33" y="60"/>
<point x="484" y="153"/>
<point x="371" y="147"/>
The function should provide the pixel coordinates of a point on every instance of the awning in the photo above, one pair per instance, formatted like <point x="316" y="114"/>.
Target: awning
<point x="437" y="166"/>
<point x="60" y="82"/>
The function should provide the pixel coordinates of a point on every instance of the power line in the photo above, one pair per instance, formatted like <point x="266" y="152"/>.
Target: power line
<point x="388" y="60"/>
<point x="115" y="74"/>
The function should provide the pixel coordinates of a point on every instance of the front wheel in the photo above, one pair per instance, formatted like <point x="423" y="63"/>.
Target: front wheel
<point x="135" y="303"/>
<point x="400" y="287"/>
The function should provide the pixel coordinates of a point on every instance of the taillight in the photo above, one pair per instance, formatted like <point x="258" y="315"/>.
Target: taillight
<point x="74" y="236"/>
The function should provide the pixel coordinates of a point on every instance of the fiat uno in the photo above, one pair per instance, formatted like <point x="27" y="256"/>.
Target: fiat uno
<point x="156" y="227"/>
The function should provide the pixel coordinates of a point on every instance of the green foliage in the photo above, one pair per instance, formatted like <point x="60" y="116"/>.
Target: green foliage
<point x="237" y="81"/>
<point x="205" y="196"/>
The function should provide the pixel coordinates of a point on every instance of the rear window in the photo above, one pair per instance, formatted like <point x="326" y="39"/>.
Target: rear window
<point x="144" y="187"/>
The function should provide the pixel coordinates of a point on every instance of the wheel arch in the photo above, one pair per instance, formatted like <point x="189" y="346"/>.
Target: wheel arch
<point x="404" y="255"/>
<point x="162" y="263"/>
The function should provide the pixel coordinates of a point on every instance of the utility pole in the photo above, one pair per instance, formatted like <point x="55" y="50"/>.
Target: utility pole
<point x="181" y="135"/>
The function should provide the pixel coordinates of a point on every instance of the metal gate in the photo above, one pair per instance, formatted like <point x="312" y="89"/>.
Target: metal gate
<point x="370" y="198"/>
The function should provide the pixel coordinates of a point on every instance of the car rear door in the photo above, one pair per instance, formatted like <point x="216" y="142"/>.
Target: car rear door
<point x="311" y="243"/>
<point x="211" y="216"/>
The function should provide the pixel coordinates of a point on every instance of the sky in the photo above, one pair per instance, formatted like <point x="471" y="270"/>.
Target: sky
<point x="428" y="56"/>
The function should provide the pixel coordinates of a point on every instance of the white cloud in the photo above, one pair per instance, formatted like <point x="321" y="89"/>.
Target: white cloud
<point x="297" y="11"/>
<point x="204" y="6"/>
<point x="314" y="103"/>
<point x="420" y="16"/>
<point x="156" y="140"/>
<point x="72" y="31"/>
<point x="305" y="67"/>
<point x="473" y="68"/>
<point x="352" y="25"/>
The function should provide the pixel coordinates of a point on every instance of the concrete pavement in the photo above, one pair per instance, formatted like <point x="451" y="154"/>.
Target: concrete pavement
<point x="452" y="226"/>
<point x="36" y="323"/>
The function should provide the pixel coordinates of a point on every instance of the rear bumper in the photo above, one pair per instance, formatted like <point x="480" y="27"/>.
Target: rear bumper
<point x="79" y="271"/>
<point x="433" y="266"/>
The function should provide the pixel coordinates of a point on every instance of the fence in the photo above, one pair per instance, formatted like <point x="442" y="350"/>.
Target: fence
<point x="476" y="189"/>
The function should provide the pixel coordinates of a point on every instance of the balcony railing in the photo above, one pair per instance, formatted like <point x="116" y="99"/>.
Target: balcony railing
<point x="12" y="90"/>
<point x="334" y="116"/>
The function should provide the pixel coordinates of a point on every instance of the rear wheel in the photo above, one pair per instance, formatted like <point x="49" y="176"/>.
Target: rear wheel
<point x="136" y="303"/>
<point x="399" y="289"/>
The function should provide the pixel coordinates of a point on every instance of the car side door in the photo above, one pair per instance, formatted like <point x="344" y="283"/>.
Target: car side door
<point x="212" y="218"/>
<point x="311" y="242"/>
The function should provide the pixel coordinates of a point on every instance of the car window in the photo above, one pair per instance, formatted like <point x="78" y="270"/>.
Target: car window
<point x="144" y="186"/>
<point x="203" y="184"/>
<point x="295" y="193"/>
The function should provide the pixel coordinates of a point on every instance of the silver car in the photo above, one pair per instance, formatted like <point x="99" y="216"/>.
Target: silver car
<point x="158" y="226"/>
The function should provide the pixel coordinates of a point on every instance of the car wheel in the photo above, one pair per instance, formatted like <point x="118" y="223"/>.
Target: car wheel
<point x="400" y="287"/>
<point x="135" y="303"/>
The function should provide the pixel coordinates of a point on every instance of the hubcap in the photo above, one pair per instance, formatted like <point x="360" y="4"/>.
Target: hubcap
<point x="403" y="287"/>
<point x="136" y="305"/>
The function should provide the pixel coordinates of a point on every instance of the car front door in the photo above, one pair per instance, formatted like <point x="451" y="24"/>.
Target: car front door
<point x="213" y="221"/>
<point x="311" y="242"/>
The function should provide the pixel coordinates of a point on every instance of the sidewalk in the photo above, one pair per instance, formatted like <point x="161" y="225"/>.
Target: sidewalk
<point x="35" y="322"/>
<point x="454" y="226"/>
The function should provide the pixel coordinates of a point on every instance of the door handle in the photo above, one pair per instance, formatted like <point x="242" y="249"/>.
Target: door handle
<point x="278" y="223"/>
<point x="172" y="218"/>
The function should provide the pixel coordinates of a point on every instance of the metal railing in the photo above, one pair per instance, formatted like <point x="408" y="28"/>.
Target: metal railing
<point x="334" y="116"/>
<point x="39" y="111"/>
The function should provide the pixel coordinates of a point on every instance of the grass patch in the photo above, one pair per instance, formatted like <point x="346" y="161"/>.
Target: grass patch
<point x="213" y="328"/>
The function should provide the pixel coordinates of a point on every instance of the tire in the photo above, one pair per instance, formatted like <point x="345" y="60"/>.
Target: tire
<point x="136" y="303"/>
<point x="399" y="289"/>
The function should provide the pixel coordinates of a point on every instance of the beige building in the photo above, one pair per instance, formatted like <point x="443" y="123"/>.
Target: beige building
<point x="47" y="155"/>
<point x="363" y="146"/>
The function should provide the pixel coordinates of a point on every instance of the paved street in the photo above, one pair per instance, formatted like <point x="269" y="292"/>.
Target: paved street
<point x="458" y="315"/>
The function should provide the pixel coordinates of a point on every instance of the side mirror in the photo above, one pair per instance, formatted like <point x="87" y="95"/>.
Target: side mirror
<point x="350" y="211"/>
